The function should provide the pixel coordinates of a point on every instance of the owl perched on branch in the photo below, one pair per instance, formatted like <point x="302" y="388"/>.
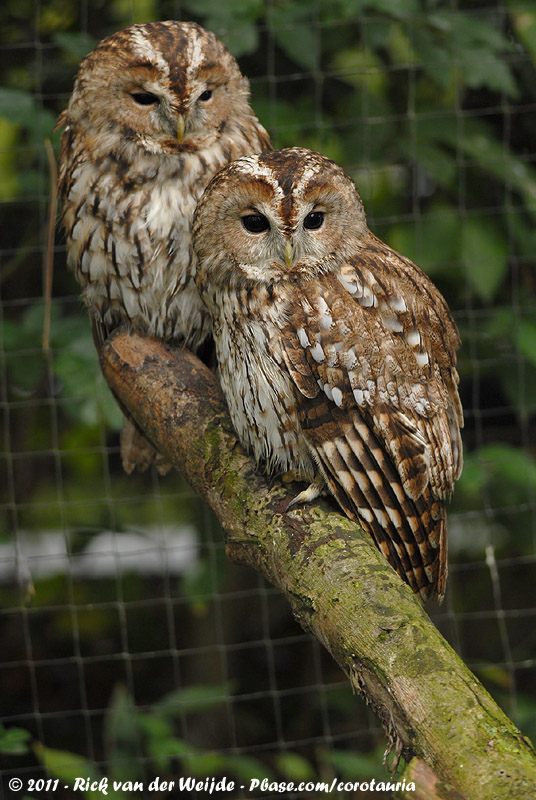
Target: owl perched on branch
<point x="155" y="111"/>
<point x="336" y="354"/>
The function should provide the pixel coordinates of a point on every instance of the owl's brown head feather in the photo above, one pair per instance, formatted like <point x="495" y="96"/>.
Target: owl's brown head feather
<point x="167" y="87"/>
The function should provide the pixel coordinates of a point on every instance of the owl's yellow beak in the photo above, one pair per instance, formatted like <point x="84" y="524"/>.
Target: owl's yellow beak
<point x="289" y="253"/>
<point x="181" y="124"/>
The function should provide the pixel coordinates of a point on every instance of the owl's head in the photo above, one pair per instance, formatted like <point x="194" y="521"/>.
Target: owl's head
<point x="164" y="86"/>
<point x="276" y="216"/>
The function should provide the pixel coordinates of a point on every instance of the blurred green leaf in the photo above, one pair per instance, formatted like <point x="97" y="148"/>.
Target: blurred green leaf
<point x="164" y="751"/>
<point x="293" y="27"/>
<point x="356" y="766"/>
<point x="524" y="20"/>
<point x="526" y="336"/>
<point x="23" y="109"/>
<point x="192" y="699"/>
<point x="128" y="12"/>
<point x="525" y="716"/>
<point x="68" y="766"/>
<point x="401" y="9"/>
<point x="493" y="156"/>
<point x="247" y="768"/>
<point x="457" y="46"/>
<point x="204" y="763"/>
<point x="484" y="253"/>
<point x="294" y="767"/>
<point x="507" y="471"/>
<point x="160" y="741"/>
<point x="9" y="180"/>
<point x="361" y="68"/>
<point x="77" y="44"/>
<point x="433" y="241"/>
<point x="14" y="741"/>
<point x="234" y="22"/>
<point x="122" y="735"/>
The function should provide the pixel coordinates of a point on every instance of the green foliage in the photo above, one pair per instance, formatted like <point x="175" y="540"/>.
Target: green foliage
<point x="68" y="767"/>
<point x="294" y="767"/>
<point x="74" y="361"/>
<point x="356" y="766"/>
<point x="14" y="741"/>
<point x="134" y="737"/>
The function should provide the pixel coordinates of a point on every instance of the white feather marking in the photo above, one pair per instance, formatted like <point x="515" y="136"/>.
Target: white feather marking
<point x="195" y="54"/>
<point x="330" y="449"/>
<point x="392" y="323"/>
<point x="322" y="306"/>
<point x="317" y="353"/>
<point x="326" y="321"/>
<point x="414" y="338"/>
<point x="349" y="358"/>
<point x="398" y="304"/>
<point x="347" y="481"/>
<point x="337" y="396"/>
<point x="394" y="516"/>
<point x="422" y="407"/>
<point x="349" y="285"/>
<point x="304" y="339"/>
<point x="368" y="298"/>
<point x="329" y="393"/>
<point x="399" y="492"/>
<point x="422" y="359"/>
<point x="375" y="478"/>
<point x="146" y="51"/>
<point x="382" y="517"/>
<point x="359" y="397"/>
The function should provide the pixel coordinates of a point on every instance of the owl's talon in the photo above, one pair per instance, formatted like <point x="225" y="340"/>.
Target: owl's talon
<point x="314" y="490"/>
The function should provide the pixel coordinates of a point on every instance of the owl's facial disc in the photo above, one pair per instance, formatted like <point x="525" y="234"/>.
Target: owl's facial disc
<point x="282" y="245"/>
<point x="206" y="108"/>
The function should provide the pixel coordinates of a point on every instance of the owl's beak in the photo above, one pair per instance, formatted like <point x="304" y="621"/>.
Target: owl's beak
<point x="289" y="253"/>
<point x="181" y="124"/>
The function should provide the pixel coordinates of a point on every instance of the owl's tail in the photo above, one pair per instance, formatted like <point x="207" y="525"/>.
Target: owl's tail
<point x="410" y="532"/>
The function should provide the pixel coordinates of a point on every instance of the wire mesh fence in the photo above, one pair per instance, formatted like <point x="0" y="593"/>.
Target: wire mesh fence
<point x="130" y="647"/>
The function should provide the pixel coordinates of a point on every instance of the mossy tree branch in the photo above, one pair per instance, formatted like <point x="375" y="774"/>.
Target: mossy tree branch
<point x="338" y="585"/>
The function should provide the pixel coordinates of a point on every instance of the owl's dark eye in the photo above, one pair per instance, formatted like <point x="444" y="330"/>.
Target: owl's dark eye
<point x="206" y="95"/>
<point x="144" y="98"/>
<point x="314" y="220"/>
<point x="255" y="223"/>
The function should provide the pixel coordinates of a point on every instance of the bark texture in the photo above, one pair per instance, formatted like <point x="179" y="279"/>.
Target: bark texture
<point x="338" y="585"/>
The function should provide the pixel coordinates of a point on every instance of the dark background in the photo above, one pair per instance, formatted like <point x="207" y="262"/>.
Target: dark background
<point x="128" y="646"/>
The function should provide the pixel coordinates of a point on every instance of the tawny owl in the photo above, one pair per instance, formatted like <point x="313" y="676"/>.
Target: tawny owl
<point x="156" y="110"/>
<point x="336" y="354"/>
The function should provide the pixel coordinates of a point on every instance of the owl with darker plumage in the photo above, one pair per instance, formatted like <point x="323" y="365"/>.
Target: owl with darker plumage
<point x="337" y="355"/>
<point x="156" y="110"/>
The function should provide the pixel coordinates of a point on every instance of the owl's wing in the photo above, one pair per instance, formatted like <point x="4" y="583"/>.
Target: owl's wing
<point x="374" y="362"/>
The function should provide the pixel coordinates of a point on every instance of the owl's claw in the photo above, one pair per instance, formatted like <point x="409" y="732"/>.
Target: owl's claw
<point x="314" y="490"/>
